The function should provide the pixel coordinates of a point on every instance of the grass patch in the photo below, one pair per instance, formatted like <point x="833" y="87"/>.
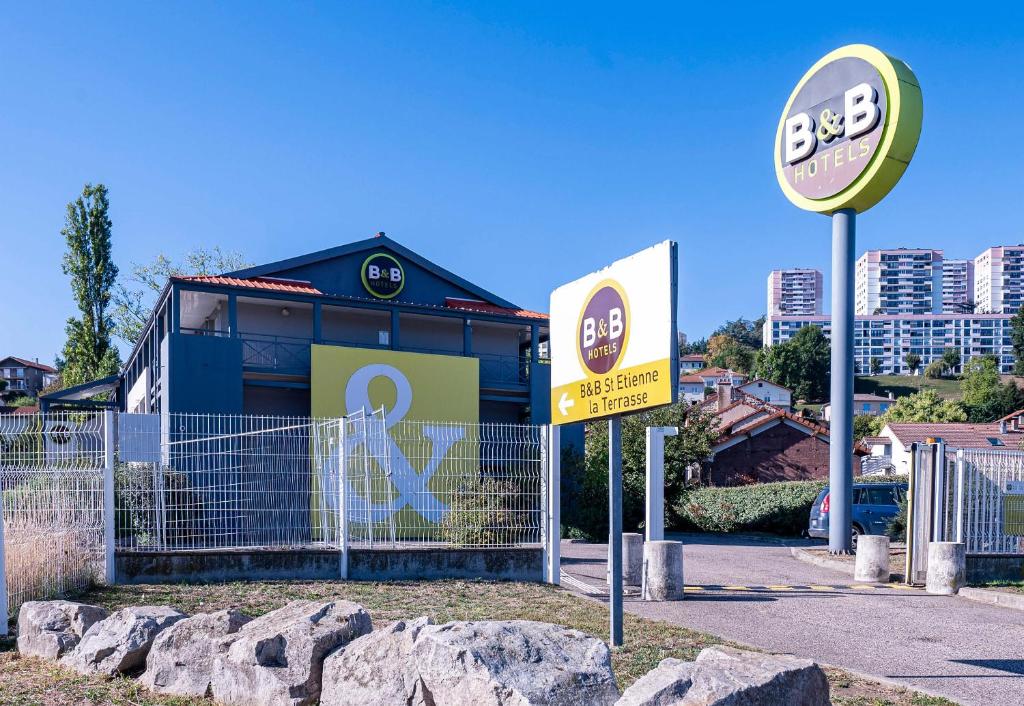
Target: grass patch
<point x="904" y="385"/>
<point x="1008" y="586"/>
<point x="30" y="681"/>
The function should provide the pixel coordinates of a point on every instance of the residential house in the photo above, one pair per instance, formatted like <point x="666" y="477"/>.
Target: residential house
<point x="863" y="403"/>
<point x="770" y="392"/>
<point x="759" y="442"/>
<point x="691" y="361"/>
<point x="25" y="377"/>
<point x="1005" y="434"/>
<point x="691" y="388"/>
<point x="712" y="377"/>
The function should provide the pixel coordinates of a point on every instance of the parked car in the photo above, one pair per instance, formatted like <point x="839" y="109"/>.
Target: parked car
<point x="874" y="506"/>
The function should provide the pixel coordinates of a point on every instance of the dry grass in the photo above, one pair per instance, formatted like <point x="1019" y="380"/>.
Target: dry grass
<point x="647" y="642"/>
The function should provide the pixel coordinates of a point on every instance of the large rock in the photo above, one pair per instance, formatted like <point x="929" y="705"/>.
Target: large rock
<point x="49" y="629"/>
<point x="121" y="642"/>
<point x="181" y="659"/>
<point x="499" y="663"/>
<point x="371" y="670"/>
<point x="278" y="657"/>
<point x="723" y="676"/>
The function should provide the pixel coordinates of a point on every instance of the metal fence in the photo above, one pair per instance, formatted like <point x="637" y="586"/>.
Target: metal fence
<point x="76" y="487"/>
<point x="981" y="500"/>
<point x="52" y="505"/>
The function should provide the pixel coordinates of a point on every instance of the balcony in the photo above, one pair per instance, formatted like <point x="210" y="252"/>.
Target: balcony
<point x="286" y="355"/>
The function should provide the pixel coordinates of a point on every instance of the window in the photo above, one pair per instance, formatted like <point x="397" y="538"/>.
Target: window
<point x="866" y="407"/>
<point x="882" y="495"/>
<point x="20" y="372"/>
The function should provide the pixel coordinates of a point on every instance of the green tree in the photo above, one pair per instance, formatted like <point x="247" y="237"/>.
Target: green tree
<point x="88" y="352"/>
<point x="134" y="296"/>
<point x="866" y="425"/>
<point x="697" y="433"/>
<point x="935" y="370"/>
<point x="876" y="366"/>
<point x="1017" y="341"/>
<point x="725" y="351"/>
<point x="924" y="406"/>
<point x="913" y="361"/>
<point x="748" y="333"/>
<point x="698" y="346"/>
<point x="801" y="364"/>
<point x="984" y="394"/>
<point x="951" y="359"/>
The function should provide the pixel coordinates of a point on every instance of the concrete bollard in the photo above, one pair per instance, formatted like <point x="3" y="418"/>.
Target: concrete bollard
<point x="872" y="559"/>
<point x="947" y="567"/>
<point x="663" y="571"/>
<point x="632" y="558"/>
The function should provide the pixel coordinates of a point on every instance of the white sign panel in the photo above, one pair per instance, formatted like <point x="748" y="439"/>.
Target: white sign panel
<point x="613" y="338"/>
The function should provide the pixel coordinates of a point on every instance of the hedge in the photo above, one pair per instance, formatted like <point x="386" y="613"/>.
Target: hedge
<point x="779" y="508"/>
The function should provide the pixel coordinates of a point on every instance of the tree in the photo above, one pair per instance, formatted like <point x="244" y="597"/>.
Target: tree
<point x="951" y="359"/>
<point x="725" y="351"/>
<point x="134" y="296"/>
<point x="697" y="433"/>
<point x="88" y="353"/>
<point x="924" y="406"/>
<point x="748" y="333"/>
<point x="935" y="370"/>
<point x="801" y="364"/>
<point x="866" y="425"/>
<point x="913" y="361"/>
<point x="875" y="365"/>
<point x="1017" y="341"/>
<point x="985" y="396"/>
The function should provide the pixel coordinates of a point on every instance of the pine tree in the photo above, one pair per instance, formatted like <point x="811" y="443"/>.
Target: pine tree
<point x="88" y="353"/>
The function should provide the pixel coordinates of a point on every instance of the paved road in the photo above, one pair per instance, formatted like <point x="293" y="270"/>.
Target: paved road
<point x="969" y="652"/>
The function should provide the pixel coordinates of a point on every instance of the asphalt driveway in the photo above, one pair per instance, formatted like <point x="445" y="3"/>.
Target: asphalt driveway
<point x="751" y="590"/>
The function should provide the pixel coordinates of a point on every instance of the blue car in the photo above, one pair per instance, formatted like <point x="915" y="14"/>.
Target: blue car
<point x="874" y="506"/>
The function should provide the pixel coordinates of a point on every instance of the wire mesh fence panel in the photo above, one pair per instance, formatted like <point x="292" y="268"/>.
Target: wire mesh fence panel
<point x="51" y="502"/>
<point x="454" y="484"/>
<point x="221" y="482"/>
<point x="988" y="501"/>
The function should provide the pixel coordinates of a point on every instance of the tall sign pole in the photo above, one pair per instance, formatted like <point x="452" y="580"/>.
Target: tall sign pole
<point x="847" y="134"/>
<point x="614" y="352"/>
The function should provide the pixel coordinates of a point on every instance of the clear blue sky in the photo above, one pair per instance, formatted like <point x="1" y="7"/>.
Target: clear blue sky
<point x="518" y="144"/>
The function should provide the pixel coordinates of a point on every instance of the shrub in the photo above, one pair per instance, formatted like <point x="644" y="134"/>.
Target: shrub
<point x="779" y="508"/>
<point x="935" y="370"/>
<point x="485" y="513"/>
<point x="897" y="529"/>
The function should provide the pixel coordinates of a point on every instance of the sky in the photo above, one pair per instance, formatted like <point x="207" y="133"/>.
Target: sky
<point x="520" y="145"/>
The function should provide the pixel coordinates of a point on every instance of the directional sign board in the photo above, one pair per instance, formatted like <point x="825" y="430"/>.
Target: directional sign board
<point x="613" y="339"/>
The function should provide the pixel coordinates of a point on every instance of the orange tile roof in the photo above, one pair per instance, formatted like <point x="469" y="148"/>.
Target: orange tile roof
<point x="32" y="364"/>
<point x="482" y="307"/>
<point x="691" y="378"/>
<point x="957" y="435"/>
<point x="272" y="284"/>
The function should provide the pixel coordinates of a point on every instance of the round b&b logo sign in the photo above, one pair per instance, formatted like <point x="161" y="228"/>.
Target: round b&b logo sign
<point x="603" y="328"/>
<point x="383" y="276"/>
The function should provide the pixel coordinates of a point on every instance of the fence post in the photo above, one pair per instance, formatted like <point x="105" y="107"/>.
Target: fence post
<point x="108" y="496"/>
<point x="342" y="509"/>
<point x="940" y="496"/>
<point x="553" y="501"/>
<point x="959" y="522"/>
<point x="545" y="524"/>
<point x="3" y="576"/>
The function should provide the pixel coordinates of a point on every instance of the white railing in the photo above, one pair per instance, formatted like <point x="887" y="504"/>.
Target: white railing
<point x="984" y="500"/>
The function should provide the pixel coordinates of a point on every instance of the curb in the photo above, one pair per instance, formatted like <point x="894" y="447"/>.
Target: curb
<point x="1014" y="601"/>
<point x="807" y="557"/>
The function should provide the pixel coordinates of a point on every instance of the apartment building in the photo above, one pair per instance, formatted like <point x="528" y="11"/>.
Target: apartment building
<point x="999" y="279"/>
<point x="901" y="281"/>
<point x="957" y="286"/>
<point x="795" y="292"/>
<point x="890" y="338"/>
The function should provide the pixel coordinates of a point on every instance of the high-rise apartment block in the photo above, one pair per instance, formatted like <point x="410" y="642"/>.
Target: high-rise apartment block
<point x="899" y="281"/>
<point x="795" y="292"/>
<point x="957" y="286"/>
<point x="999" y="279"/>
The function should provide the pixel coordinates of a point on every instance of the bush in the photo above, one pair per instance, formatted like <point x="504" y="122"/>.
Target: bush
<point x="485" y="513"/>
<point x="779" y="508"/>
<point x="935" y="370"/>
<point x="897" y="529"/>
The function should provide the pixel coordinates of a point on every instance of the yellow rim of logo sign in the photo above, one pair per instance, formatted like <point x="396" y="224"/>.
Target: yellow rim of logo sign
<point x="366" y="282"/>
<point x="625" y="335"/>
<point x="900" y="133"/>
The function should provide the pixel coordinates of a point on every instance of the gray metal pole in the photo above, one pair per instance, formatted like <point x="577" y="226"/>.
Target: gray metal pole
<point x="844" y="236"/>
<point x="615" y="528"/>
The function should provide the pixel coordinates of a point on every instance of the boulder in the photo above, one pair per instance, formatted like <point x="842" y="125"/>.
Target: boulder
<point x="49" y="629"/>
<point x="483" y="663"/>
<point x="370" y="670"/>
<point x="278" y="658"/>
<point x="723" y="676"/>
<point x="181" y="659"/>
<point x="120" y="643"/>
<point x="665" y="685"/>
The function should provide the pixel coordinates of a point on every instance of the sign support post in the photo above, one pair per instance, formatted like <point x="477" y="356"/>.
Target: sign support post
<point x="840" y="462"/>
<point x="615" y="529"/>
